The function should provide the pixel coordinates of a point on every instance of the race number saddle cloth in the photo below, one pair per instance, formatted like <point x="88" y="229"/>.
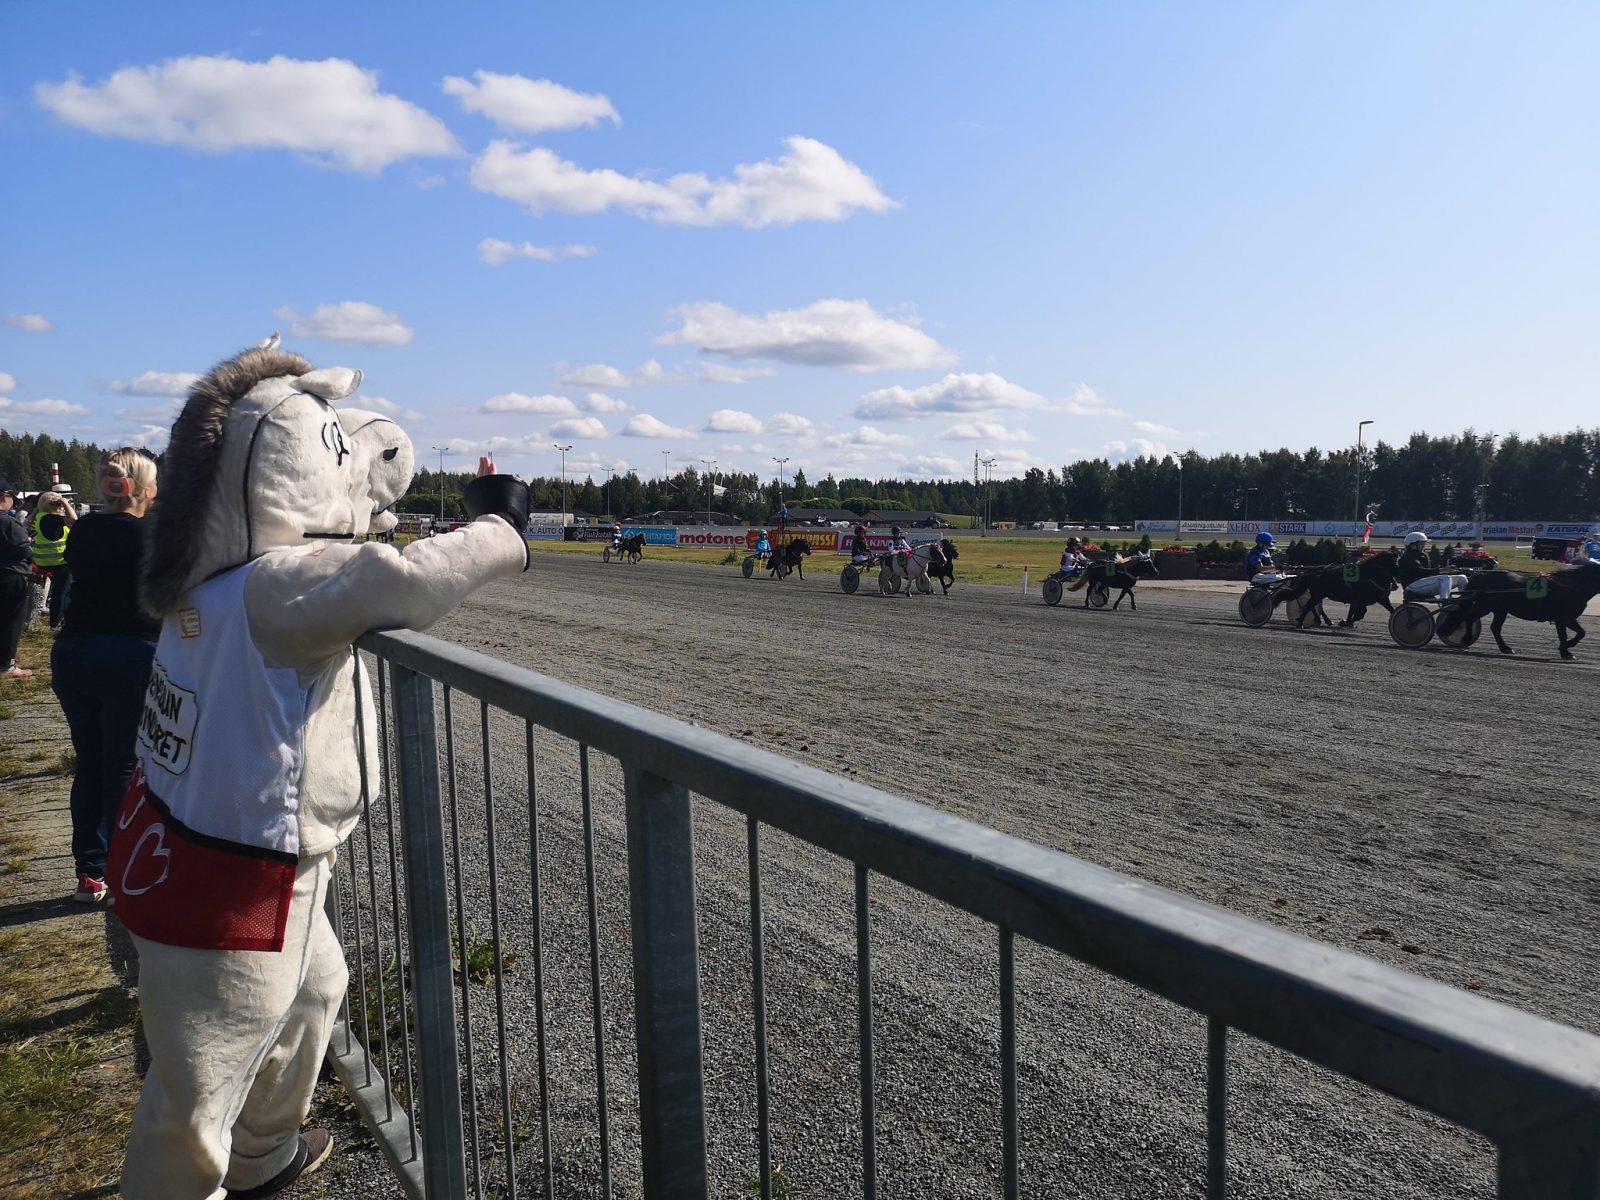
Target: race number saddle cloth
<point x="205" y="846"/>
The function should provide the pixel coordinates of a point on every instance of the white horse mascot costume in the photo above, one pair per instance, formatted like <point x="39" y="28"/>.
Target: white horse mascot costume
<point x="250" y="765"/>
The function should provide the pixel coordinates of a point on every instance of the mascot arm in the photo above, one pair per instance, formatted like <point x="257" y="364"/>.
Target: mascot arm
<point x="307" y="607"/>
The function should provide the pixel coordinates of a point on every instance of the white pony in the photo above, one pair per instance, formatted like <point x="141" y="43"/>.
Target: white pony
<point x="909" y="568"/>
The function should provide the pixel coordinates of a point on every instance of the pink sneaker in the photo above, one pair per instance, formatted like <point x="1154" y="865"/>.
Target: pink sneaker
<point x="90" y="890"/>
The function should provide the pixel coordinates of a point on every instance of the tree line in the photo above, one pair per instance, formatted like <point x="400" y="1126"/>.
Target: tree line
<point x="1453" y="477"/>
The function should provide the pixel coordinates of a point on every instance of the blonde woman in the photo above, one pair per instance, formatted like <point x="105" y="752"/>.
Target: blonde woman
<point x="100" y="665"/>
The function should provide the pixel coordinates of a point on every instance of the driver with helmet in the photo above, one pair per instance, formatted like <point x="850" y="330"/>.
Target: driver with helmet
<point x="860" y="552"/>
<point x="1258" y="564"/>
<point x="1589" y="552"/>
<point x="1417" y="577"/>
<point x="1073" y="560"/>
<point x="616" y="535"/>
<point x="763" y="546"/>
<point x="897" y="542"/>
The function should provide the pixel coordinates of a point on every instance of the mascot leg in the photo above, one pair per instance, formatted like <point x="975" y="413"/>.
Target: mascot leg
<point x="236" y="1040"/>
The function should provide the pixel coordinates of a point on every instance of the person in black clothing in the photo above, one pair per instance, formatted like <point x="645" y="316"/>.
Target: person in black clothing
<point x="100" y="666"/>
<point x="16" y="563"/>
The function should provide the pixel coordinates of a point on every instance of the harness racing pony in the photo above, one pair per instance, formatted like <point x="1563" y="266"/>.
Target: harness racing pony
<point x="910" y="567"/>
<point x="1360" y="585"/>
<point x="789" y="557"/>
<point x="630" y="548"/>
<point x="1559" y="597"/>
<point x="941" y="565"/>
<point x="1119" y="574"/>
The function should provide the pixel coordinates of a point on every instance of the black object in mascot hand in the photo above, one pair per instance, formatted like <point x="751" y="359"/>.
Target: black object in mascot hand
<point x="497" y="495"/>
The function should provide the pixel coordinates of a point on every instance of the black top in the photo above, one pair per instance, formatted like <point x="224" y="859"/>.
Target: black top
<point x="16" y="546"/>
<point x="103" y="556"/>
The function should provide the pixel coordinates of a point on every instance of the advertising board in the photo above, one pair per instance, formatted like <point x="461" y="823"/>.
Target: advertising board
<point x="878" y="543"/>
<point x="654" y="535"/>
<point x="1205" y="528"/>
<point x="1155" y="527"/>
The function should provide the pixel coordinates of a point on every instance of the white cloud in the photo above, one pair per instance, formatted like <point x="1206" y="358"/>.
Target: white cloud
<point x="601" y="375"/>
<point x="7" y="381"/>
<point x="331" y="110"/>
<point x="516" y="402"/>
<point x="813" y="182"/>
<point x="789" y="424"/>
<point x="529" y="105"/>
<point x="601" y="403"/>
<point x="1086" y="402"/>
<point x="1126" y="451"/>
<point x="349" y="321"/>
<point x="866" y="436"/>
<point x="967" y="392"/>
<point x="428" y="182"/>
<point x="42" y="408"/>
<point x="985" y="431"/>
<point x="714" y="372"/>
<point x="731" y="420"/>
<point x="151" y="437"/>
<point x="495" y="252"/>
<point x="578" y="427"/>
<point x="387" y="407"/>
<point x="1155" y="429"/>
<point x="28" y="323"/>
<point x="157" y="383"/>
<point x="646" y="426"/>
<point x="829" y="333"/>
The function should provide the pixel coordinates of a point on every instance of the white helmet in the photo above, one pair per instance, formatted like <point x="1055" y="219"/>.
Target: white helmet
<point x="1416" y="538"/>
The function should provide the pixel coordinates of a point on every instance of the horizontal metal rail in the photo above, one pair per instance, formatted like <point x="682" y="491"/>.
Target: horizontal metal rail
<point x="1529" y="1085"/>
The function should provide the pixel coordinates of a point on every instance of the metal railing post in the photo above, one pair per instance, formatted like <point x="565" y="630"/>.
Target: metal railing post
<point x="666" y="975"/>
<point x="443" y="1164"/>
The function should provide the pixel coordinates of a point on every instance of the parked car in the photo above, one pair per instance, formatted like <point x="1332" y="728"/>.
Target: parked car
<point x="1037" y="525"/>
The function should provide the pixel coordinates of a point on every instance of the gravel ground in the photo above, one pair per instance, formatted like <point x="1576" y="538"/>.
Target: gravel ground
<point x="1425" y="808"/>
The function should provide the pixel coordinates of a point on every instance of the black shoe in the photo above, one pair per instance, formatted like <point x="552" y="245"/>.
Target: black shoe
<point x="313" y="1150"/>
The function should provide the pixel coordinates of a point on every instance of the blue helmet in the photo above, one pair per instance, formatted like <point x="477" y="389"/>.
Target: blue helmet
<point x="1265" y="539"/>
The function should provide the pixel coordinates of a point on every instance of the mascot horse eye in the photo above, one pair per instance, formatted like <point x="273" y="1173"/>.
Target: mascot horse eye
<point x="388" y="455"/>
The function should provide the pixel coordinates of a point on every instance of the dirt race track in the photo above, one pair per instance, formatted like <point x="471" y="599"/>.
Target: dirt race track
<point x="1432" y="809"/>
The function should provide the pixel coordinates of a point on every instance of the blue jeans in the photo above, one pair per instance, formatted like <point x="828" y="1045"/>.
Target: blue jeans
<point x="100" y="681"/>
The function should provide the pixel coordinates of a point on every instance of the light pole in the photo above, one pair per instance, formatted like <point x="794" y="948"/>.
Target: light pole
<point x="1179" y="537"/>
<point x="610" y="471"/>
<point x="988" y="494"/>
<point x="665" y="454"/>
<point x="563" y="449"/>
<point x="1359" y="427"/>
<point x="1247" y="492"/>
<point x="780" y="462"/>
<point x="441" y="450"/>
<point x="710" y="465"/>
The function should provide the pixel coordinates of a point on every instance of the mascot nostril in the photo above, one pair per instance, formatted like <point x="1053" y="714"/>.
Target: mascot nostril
<point x="256" y="744"/>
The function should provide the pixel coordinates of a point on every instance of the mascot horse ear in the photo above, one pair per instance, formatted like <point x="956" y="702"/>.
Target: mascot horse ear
<point x="269" y="343"/>
<point x="330" y="383"/>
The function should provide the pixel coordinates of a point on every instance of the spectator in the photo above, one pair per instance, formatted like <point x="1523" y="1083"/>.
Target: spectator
<point x="100" y="665"/>
<point x="16" y="562"/>
<point x="53" y="519"/>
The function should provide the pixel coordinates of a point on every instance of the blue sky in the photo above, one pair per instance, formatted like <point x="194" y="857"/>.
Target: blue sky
<point x="867" y="238"/>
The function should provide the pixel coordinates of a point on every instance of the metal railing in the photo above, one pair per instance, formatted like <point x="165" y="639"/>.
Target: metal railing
<point x="1528" y="1085"/>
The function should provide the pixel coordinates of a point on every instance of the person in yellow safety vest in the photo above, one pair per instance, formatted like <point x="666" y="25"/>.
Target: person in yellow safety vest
<point x="53" y="518"/>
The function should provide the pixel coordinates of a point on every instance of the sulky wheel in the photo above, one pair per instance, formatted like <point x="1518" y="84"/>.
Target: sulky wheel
<point x="748" y="567"/>
<point x="1098" y="594"/>
<point x="1255" y="607"/>
<point x="924" y="585"/>
<point x="605" y="554"/>
<point x="1052" y="591"/>
<point x="1411" y="626"/>
<point x="849" y="580"/>
<point x="1459" y="633"/>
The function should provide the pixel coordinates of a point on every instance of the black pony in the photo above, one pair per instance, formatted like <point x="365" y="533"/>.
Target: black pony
<point x="1560" y="597"/>
<point x="630" y="548"/>
<point x="1360" y="585"/>
<point x="941" y="564"/>
<point x="788" y="557"/>
<point x="1120" y="577"/>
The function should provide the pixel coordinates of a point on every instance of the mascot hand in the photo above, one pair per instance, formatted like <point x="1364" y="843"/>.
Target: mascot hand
<point x="497" y="495"/>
